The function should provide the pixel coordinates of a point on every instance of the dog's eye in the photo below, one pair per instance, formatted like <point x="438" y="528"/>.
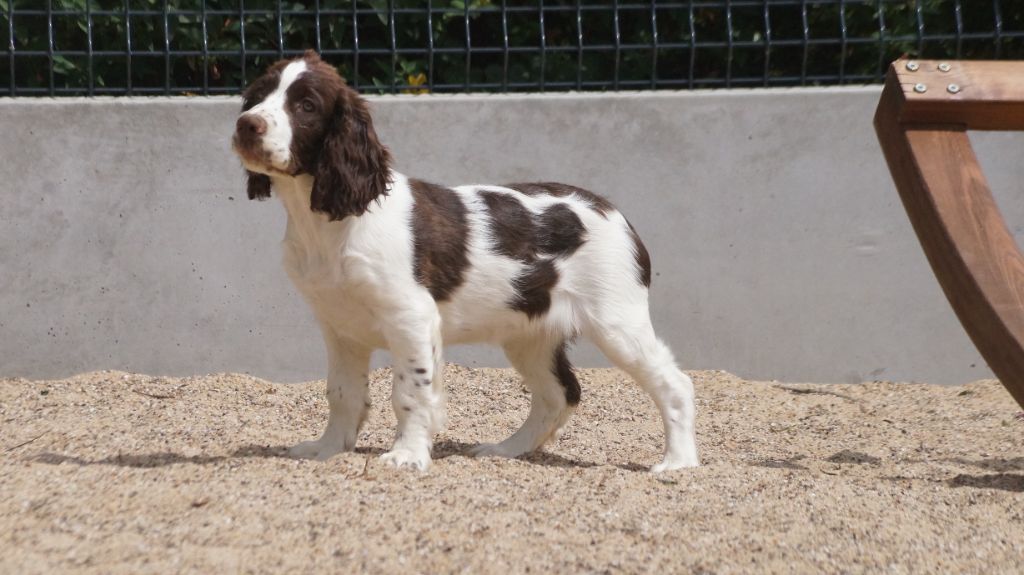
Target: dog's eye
<point x="308" y="106"/>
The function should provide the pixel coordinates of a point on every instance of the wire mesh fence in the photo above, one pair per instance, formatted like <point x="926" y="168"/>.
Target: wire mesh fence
<point x="91" y="47"/>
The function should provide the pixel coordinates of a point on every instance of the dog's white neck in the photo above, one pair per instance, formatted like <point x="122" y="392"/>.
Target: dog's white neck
<point x="308" y="230"/>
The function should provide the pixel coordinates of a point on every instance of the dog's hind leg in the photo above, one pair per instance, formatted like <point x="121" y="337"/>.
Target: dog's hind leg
<point x="627" y="338"/>
<point x="554" y="393"/>
<point x="348" y="397"/>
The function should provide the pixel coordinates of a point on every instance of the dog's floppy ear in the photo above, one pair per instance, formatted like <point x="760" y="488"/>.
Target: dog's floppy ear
<point x="258" y="186"/>
<point x="353" y="168"/>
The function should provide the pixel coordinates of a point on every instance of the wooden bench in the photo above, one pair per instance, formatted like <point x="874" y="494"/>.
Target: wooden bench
<point x="922" y="120"/>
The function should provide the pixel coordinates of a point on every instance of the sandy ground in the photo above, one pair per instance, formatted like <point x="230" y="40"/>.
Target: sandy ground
<point x="113" y="472"/>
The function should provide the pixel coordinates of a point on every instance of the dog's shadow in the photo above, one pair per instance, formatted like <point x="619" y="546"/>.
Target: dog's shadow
<point x="449" y="448"/>
<point x="163" y="458"/>
<point x="1001" y="476"/>
<point x="442" y="450"/>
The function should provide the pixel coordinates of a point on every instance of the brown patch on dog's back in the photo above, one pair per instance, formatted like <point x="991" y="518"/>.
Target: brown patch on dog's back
<point x="522" y="235"/>
<point x="559" y="231"/>
<point x="440" y="234"/>
<point x="512" y="226"/>
<point x="536" y="240"/>
<point x="597" y="203"/>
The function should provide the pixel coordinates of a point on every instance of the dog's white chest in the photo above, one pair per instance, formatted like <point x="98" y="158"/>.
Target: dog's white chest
<point x="338" y="285"/>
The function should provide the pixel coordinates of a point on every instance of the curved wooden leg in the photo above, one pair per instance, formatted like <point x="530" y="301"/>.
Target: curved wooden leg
<point x="971" y="250"/>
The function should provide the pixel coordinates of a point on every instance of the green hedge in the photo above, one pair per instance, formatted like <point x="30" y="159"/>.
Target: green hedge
<point x="861" y="59"/>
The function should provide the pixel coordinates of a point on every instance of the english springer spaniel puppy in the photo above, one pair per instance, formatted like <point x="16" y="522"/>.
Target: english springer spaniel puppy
<point x="388" y="261"/>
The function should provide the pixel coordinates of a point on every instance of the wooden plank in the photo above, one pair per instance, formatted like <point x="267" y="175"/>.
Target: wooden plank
<point x="981" y="95"/>
<point x="964" y="236"/>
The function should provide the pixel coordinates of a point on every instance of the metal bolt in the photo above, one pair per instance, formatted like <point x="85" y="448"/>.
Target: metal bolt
<point x="921" y="88"/>
<point x="953" y="88"/>
<point x="912" y="66"/>
<point x="944" y="67"/>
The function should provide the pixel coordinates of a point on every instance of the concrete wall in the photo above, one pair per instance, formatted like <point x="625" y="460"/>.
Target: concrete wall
<point x="779" y="244"/>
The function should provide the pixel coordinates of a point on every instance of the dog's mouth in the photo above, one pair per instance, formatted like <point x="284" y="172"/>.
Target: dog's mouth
<point x="256" y="159"/>
<point x="248" y="152"/>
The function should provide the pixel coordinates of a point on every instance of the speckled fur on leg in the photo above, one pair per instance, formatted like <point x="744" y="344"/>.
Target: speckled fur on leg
<point x="348" y="399"/>
<point x="417" y="392"/>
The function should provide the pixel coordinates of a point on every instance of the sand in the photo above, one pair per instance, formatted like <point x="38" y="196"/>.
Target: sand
<point x="123" y="473"/>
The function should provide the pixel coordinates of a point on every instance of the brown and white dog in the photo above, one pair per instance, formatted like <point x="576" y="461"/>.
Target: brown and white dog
<point x="387" y="261"/>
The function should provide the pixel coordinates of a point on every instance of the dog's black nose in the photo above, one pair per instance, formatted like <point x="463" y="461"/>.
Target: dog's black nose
<point x="250" y="126"/>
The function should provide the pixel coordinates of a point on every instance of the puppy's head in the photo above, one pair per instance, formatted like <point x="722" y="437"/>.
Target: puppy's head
<point x="301" y="118"/>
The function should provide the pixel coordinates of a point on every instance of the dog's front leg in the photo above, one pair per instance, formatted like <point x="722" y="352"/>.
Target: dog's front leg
<point x="348" y="397"/>
<point x="417" y="392"/>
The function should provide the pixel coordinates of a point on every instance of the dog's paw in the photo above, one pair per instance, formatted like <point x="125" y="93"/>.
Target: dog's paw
<point x="673" y="464"/>
<point x="407" y="459"/>
<point x="319" y="449"/>
<point x="496" y="450"/>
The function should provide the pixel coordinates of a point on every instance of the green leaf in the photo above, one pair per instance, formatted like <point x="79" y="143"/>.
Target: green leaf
<point x="63" y="66"/>
<point x="381" y="7"/>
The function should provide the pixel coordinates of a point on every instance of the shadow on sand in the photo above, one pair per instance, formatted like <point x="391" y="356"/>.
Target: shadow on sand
<point x="442" y="450"/>
<point x="1013" y="482"/>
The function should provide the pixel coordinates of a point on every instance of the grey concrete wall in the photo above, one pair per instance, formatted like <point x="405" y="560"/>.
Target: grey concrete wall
<point x="780" y="248"/>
